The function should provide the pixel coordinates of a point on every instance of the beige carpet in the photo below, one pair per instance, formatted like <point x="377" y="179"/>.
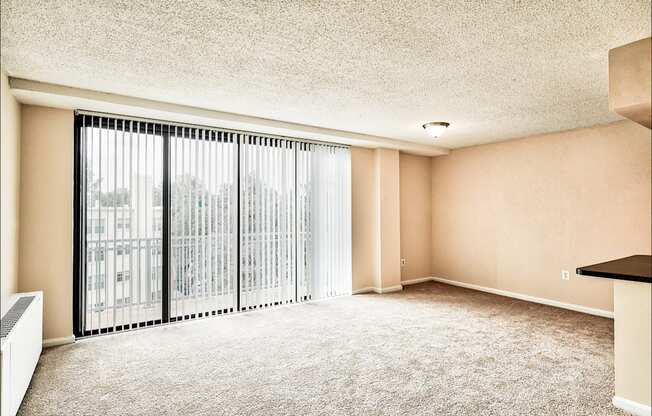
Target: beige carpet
<point x="432" y="349"/>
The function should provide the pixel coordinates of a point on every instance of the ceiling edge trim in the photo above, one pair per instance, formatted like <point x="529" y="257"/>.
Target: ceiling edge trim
<point x="59" y="96"/>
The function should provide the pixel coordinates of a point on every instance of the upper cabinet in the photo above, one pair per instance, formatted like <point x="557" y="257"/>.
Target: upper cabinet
<point x="629" y="81"/>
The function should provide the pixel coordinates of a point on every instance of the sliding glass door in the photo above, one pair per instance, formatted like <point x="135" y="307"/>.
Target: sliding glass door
<point x="120" y="169"/>
<point x="323" y="220"/>
<point x="267" y="222"/>
<point x="203" y="211"/>
<point x="175" y="222"/>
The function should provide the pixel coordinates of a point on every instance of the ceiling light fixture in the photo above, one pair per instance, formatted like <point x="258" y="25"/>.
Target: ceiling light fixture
<point x="435" y="128"/>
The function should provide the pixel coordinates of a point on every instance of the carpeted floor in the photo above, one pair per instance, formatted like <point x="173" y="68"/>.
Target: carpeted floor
<point x="432" y="349"/>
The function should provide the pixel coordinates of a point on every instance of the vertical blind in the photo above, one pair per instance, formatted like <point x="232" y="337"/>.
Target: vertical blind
<point x="175" y="222"/>
<point x="267" y="222"/>
<point x="324" y="220"/>
<point x="202" y="222"/>
<point x="120" y="178"/>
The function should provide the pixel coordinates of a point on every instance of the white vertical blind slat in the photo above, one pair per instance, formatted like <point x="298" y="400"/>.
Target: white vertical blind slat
<point x="218" y="208"/>
<point x="246" y="236"/>
<point x="265" y="278"/>
<point x="185" y="222"/>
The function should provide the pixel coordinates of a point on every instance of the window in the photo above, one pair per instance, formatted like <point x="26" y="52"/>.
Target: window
<point x="95" y="226"/>
<point x="123" y="301"/>
<point x="95" y="282"/>
<point x="122" y="224"/>
<point x="122" y="250"/>
<point x="122" y="276"/>
<point x="185" y="208"/>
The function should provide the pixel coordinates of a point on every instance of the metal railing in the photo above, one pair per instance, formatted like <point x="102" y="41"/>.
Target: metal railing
<point x="203" y="275"/>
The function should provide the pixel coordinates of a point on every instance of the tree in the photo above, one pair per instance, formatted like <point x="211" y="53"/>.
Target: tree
<point x="195" y="215"/>
<point x="118" y="197"/>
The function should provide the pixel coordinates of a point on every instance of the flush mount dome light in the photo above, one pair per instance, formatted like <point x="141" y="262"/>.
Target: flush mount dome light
<point x="435" y="128"/>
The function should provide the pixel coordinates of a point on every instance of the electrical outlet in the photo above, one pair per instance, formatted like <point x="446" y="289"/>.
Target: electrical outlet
<point x="403" y="262"/>
<point x="565" y="275"/>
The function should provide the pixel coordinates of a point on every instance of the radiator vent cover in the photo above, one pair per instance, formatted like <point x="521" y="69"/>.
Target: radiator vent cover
<point x="14" y="313"/>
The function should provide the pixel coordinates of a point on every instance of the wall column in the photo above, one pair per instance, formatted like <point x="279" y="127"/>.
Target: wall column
<point x="388" y="208"/>
<point x="376" y="219"/>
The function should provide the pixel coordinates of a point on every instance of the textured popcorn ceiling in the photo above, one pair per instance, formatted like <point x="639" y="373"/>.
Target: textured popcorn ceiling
<point x="494" y="70"/>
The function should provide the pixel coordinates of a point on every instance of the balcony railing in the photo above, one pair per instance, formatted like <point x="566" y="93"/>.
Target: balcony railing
<point x="203" y="275"/>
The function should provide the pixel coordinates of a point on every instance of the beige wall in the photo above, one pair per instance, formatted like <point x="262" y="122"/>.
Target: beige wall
<point x="9" y="187"/>
<point x="512" y="215"/>
<point x="46" y="213"/>
<point x="632" y="345"/>
<point x="364" y="216"/>
<point x="416" y="216"/>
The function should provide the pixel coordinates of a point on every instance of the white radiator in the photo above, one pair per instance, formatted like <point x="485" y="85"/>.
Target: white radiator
<point x="22" y="338"/>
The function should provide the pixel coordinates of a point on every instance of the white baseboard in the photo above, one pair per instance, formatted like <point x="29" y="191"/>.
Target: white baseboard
<point x="543" y="301"/>
<point x="629" y="406"/>
<point x="379" y="290"/>
<point x="415" y="281"/>
<point x="534" y="299"/>
<point x="55" y="342"/>
<point x="390" y="289"/>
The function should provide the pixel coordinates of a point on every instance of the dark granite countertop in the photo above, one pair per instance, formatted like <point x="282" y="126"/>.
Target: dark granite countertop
<point x="633" y="268"/>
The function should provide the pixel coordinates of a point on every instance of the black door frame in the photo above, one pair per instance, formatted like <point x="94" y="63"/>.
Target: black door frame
<point x="83" y="120"/>
<point x="164" y="128"/>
